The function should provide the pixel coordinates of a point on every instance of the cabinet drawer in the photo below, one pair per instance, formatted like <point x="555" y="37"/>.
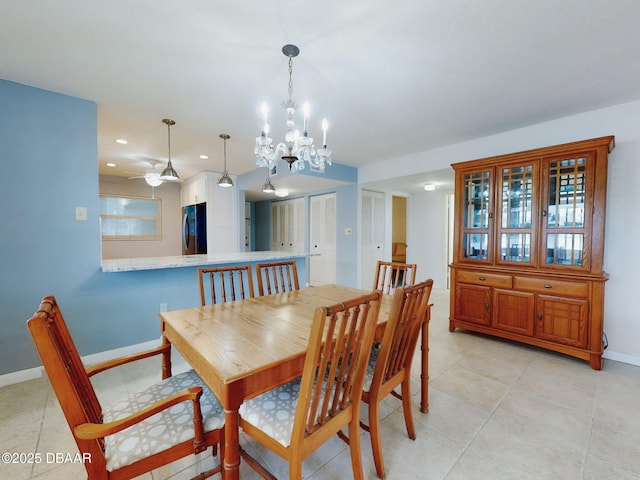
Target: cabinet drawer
<point x="551" y="287"/>
<point x="488" y="279"/>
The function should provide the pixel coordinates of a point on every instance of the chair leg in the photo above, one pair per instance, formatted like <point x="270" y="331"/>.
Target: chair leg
<point x="295" y="470"/>
<point x="354" y="447"/>
<point x="406" y="408"/>
<point x="376" y="441"/>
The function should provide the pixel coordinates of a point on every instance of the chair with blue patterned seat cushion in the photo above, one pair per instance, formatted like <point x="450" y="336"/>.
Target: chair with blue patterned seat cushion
<point x="169" y="420"/>
<point x="391" y="275"/>
<point x="390" y="361"/>
<point x="296" y="418"/>
<point x="225" y="284"/>
<point x="277" y="277"/>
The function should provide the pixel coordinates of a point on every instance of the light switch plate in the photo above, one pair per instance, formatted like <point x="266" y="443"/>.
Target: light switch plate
<point x="81" y="214"/>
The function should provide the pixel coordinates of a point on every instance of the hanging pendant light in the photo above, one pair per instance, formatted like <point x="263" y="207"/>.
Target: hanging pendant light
<point x="268" y="186"/>
<point x="225" y="180"/>
<point x="169" y="173"/>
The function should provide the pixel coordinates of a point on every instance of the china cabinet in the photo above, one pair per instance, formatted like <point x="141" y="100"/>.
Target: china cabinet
<point x="529" y="246"/>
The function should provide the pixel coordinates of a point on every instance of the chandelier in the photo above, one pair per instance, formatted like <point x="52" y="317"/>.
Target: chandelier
<point x="297" y="149"/>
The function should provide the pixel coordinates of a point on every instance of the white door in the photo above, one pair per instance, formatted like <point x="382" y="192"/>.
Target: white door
<point x="247" y="227"/>
<point x="322" y="268"/>
<point x="287" y="225"/>
<point x="372" y="235"/>
<point x="294" y="241"/>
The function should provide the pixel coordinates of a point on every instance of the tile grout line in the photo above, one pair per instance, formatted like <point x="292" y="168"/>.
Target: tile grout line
<point x="44" y="409"/>
<point x="492" y="413"/>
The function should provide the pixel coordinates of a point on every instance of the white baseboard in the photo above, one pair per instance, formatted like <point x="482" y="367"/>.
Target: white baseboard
<point x="21" y="376"/>
<point x="32" y="373"/>
<point x="621" y="357"/>
<point x="119" y="352"/>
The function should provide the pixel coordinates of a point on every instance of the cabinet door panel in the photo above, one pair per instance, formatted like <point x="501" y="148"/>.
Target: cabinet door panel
<point x="513" y="311"/>
<point x="473" y="303"/>
<point x="567" y="200"/>
<point x="562" y="320"/>
<point x="477" y="216"/>
<point x="517" y="204"/>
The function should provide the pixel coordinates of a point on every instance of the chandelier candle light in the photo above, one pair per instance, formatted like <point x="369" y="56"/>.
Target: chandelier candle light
<point x="297" y="149"/>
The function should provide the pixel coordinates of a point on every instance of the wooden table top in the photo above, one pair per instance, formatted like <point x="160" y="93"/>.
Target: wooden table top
<point x="236" y="339"/>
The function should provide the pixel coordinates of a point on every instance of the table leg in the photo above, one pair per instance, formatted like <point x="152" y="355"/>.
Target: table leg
<point x="231" y="462"/>
<point x="166" y="358"/>
<point x="424" y="374"/>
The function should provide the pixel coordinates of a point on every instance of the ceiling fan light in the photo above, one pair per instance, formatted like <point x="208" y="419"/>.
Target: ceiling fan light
<point x="153" y="179"/>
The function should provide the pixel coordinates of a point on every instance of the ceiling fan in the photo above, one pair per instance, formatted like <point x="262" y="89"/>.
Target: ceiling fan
<point x="151" y="176"/>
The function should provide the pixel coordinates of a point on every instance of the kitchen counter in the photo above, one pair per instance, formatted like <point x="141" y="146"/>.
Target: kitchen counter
<point x="178" y="261"/>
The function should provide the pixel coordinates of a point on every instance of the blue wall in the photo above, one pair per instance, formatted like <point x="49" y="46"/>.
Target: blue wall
<point x="50" y="160"/>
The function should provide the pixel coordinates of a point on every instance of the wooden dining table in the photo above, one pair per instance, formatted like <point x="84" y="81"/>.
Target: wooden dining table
<point x="243" y="348"/>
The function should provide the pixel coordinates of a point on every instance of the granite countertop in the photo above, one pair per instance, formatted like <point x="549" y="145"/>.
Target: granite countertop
<point x="177" y="261"/>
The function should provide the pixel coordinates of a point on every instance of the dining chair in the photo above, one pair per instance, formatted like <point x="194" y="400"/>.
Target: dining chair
<point x="294" y="419"/>
<point x="222" y="284"/>
<point x="169" y="420"/>
<point x="277" y="277"/>
<point x="390" y="361"/>
<point x="391" y="275"/>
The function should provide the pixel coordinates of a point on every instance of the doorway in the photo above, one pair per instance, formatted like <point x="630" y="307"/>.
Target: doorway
<point x="399" y="229"/>
<point x="373" y="235"/>
<point x="322" y="235"/>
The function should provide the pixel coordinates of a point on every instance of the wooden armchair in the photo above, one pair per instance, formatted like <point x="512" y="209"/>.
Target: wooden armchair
<point x="182" y="414"/>
<point x="391" y="275"/>
<point x="277" y="277"/>
<point x="390" y="362"/>
<point x="316" y="406"/>
<point x="224" y="284"/>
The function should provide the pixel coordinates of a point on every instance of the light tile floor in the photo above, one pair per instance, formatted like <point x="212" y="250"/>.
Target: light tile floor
<point x="498" y="411"/>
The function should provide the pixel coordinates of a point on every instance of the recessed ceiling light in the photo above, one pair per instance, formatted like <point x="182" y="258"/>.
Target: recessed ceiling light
<point x="204" y="157"/>
<point x="110" y="164"/>
<point x="430" y="187"/>
<point x="121" y="141"/>
<point x="281" y="192"/>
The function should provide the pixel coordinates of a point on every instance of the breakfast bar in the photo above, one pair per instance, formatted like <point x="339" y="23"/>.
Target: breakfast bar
<point x="180" y="261"/>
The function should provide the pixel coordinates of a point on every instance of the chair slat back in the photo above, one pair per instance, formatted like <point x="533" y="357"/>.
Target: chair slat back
<point x="225" y="284"/>
<point x="335" y="362"/>
<point x="391" y="275"/>
<point x="408" y="311"/>
<point x="277" y="277"/>
<point x="64" y="368"/>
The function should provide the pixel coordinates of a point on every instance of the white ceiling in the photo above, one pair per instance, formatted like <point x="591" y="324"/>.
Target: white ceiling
<point x="392" y="77"/>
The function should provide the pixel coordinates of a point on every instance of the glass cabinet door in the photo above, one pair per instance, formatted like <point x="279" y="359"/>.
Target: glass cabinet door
<point x="566" y="212"/>
<point x="477" y="215"/>
<point x="517" y="193"/>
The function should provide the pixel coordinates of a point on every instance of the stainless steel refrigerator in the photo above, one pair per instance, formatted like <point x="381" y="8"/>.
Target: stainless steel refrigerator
<point x="194" y="229"/>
